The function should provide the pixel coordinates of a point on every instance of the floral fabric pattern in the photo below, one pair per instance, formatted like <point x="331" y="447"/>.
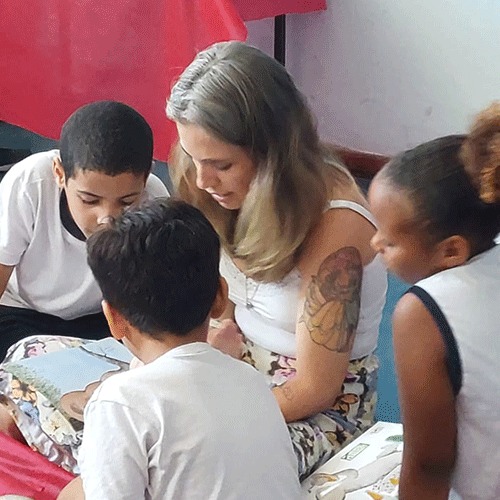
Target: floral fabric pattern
<point x="57" y="436"/>
<point x="45" y="427"/>
<point x="318" y="438"/>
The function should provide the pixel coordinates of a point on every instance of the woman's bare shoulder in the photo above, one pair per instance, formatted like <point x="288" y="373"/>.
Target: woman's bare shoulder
<point x="336" y="229"/>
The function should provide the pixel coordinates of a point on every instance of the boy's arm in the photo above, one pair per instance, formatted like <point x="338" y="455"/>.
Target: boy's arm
<point x="18" y="202"/>
<point x="427" y="403"/>
<point x="113" y="457"/>
<point x="5" y="273"/>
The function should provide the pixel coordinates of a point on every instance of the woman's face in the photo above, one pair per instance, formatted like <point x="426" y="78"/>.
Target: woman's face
<point x="223" y="170"/>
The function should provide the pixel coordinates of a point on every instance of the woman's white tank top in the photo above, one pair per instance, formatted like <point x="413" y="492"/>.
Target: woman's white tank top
<point x="267" y="312"/>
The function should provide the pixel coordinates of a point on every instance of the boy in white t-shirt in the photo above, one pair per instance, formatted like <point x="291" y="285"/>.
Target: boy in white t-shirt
<point x="50" y="203"/>
<point x="192" y="423"/>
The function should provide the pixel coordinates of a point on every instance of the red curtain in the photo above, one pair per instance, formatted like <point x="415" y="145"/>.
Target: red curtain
<point x="56" y="55"/>
<point x="258" y="9"/>
<point x="25" y="472"/>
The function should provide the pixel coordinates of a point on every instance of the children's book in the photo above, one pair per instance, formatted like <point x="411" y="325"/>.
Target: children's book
<point x="366" y="469"/>
<point x="65" y="379"/>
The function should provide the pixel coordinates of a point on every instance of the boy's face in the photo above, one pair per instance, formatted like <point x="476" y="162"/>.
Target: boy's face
<point x="95" y="198"/>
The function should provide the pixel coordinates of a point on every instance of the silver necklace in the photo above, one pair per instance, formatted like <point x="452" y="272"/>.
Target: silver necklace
<point x="248" y="300"/>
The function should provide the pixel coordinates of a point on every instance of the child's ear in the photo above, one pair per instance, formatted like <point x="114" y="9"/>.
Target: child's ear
<point x="118" y="325"/>
<point x="58" y="171"/>
<point x="221" y="299"/>
<point x="454" y="251"/>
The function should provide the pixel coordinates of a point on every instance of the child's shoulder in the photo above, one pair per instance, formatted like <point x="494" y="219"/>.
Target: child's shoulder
<point x="121" y="388"/>
<point x="35" y="168"/>
<point x="486" y="265"/>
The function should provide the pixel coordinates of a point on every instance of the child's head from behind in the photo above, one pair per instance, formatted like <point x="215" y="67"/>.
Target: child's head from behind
<point x="158" y="267"/>
<point x="106" y="151"/>
<point x="438" y="204"/>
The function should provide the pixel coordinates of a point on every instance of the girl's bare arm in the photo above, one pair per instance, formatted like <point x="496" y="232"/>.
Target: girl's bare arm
<point x="427" y="403"/>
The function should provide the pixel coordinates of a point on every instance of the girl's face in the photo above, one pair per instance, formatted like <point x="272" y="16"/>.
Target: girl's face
<point x="223" y="170"/>
<point x="399" y="241"/>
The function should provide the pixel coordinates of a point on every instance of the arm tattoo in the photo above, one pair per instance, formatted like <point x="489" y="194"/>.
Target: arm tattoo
<point x="331" y="308"/>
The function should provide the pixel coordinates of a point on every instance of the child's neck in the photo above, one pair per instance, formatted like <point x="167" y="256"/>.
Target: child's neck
<point x="147" y="348"/>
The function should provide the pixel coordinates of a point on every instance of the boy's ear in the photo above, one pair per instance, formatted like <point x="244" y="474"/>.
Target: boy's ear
<point x="118" y="325"/>
<point x="221" y="299"/>
<point x="454" y="251"/>
<point x="58" y="171"/>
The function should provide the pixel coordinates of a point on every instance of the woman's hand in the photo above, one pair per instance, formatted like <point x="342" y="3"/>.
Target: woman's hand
<point x="227" y="337"/>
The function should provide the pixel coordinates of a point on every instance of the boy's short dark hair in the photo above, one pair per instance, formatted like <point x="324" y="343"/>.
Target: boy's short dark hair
<point x="158" y="265"/>
<point x="108" y="137"/>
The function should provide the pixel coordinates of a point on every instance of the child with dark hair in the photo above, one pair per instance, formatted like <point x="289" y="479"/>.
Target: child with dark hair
<point x="50" y="203"/>
<point x="179" y="426"/>
<point x="438" y="210"/>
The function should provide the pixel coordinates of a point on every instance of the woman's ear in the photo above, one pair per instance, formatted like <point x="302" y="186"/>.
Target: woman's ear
<point x="58" y="171"/>
<point x="221" y="299"/>
<point x="453" y="251"/>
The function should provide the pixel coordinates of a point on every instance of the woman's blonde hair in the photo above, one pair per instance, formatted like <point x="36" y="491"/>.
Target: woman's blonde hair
<point x="246" y="98"/>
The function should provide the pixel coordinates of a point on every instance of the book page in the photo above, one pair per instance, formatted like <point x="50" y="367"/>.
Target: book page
<point x="366" y="469"/>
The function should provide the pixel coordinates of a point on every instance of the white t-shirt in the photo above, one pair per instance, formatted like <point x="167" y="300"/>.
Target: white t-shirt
<point x="51" y="274"/>
<point x="194" y="424"/>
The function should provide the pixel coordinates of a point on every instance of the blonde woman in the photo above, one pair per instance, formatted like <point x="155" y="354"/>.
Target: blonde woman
<point x="306" y="289"/>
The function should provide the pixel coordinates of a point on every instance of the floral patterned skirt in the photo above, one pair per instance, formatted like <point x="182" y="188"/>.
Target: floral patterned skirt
<point x="317" y="438"/>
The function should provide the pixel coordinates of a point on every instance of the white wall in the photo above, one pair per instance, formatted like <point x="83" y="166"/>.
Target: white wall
<point x="384" y="75"/>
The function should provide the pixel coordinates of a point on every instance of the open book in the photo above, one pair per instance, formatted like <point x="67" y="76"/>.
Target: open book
<point x="67" y="378"/>
<point x="366" y="469"/>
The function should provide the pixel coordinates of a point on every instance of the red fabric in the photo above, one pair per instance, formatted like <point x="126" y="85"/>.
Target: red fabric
<point x="258" y="9"/>
<point x="57" y="55"/>
<point x="25" y="472"/>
